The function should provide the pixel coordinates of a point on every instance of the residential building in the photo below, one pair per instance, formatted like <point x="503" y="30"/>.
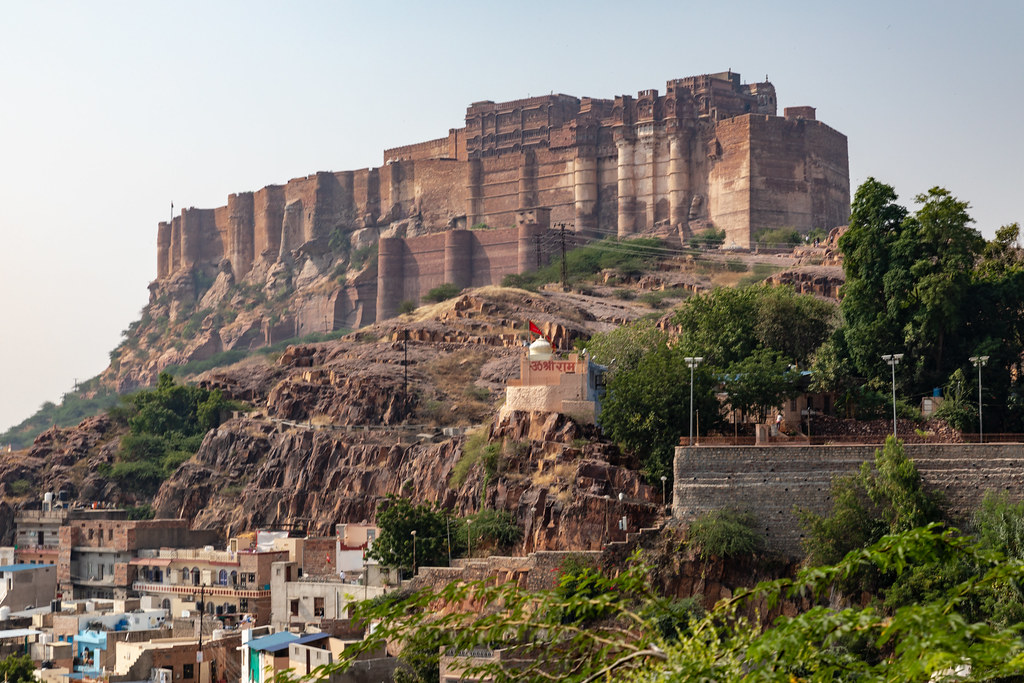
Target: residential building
<point x="231" y="584"/>
<point x="98" y="545"/>
<point x="24" y="586"/>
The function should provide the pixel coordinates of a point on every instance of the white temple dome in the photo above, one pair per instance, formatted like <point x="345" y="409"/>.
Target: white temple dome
<point x="540" y="350"/>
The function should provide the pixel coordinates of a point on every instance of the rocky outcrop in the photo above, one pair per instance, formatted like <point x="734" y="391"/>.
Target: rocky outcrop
<point x="255" y="473"/>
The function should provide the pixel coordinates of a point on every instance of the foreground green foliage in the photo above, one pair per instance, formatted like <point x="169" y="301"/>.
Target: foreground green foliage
<point x="17" y="669"/>
<point x="615" y="625"/>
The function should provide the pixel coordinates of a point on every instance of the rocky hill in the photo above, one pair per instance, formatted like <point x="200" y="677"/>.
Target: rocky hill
<point x="337" y="425"/>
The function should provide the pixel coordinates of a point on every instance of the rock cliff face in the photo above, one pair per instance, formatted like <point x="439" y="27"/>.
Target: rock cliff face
<point x="337" y="426"/>
<point x="248" y="474"/>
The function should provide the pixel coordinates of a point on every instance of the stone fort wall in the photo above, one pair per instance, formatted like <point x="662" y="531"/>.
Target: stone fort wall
<point x="771" y="481"/>
<point x="710" y="151"/>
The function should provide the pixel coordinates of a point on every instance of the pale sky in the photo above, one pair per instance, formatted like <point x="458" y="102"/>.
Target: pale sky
<point x="109" y="111"/>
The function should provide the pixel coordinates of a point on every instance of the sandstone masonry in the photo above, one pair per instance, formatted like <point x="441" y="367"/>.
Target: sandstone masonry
<point x="772" y="481"/>
<point x="710" y="151"/>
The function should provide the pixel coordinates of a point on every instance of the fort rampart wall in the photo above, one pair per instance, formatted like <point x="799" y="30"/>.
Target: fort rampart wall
<point x="773" y="481"/>
<point x="408" y="268"/>
<point x="710" y="151"/>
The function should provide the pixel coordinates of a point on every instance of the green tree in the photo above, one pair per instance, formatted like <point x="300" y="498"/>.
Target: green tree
<point x="648" y="408"/>
<point x="876" y="222"/>
<point x="442" y="292"/>
<point x="910" y="285"/>
<point x="922" y="641"/>
<point x="793" y="324"/>
<point x="719" y="324"/>
<point x="622" y="348"/>
<point x="940" y="249"/>
<point x="760" y="382"/>
<point x="17" y="669"/>
<point x="167" y="425"/>
<point x="727" y="325"/>
<point x="397" y="518"/>
<point x="885" y="498"/>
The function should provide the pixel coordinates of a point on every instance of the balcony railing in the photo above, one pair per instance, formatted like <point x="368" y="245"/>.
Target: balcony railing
<point x="189" y="589"/>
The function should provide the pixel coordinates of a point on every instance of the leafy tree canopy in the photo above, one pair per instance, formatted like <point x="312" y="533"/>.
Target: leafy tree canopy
<point x="17" y="669"/>
<point x="397" y="518"/>
<point x="886" y="498"/>
<point x="648" y="409"/>
<point x="727" y="325"/>
<point x="622" y="349"/>
<point x="760" y="382"/>
<point x="921" y="641"/>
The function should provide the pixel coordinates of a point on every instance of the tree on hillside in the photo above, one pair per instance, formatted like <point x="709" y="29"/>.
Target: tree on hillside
<point x="872" y="326"/>
<point x="167" y="425"/>
<point x="907" y="279"/>
<point x="793" y="324"/>
<point x="397" y="518"/>
<point x="938" y="248"/>
<point x="648" y="409"/>
<point x="761" y="381"/>
<point x="622" y="348"/>
<point x="727" y="325"/>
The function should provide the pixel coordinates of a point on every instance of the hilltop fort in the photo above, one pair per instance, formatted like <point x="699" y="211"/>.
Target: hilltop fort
<point x="345" y="249"/>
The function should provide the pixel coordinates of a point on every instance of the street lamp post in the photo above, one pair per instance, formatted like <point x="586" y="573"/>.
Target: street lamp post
<point x="448" y="532"/>
<point x="663" y="479"/>
<point x="979" y="361"/>
<point x="413" y="532"/>
<point x="469" y="538"/>
<point x="893" y="359"/>
<point x="692" y="362"/>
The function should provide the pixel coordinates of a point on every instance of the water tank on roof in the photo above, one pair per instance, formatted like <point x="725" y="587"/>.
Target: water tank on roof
<point x="540" y="350"/>
<point x="48" y="497"/>
<point x="90" y="606"/>
<point x="5" y="613"/>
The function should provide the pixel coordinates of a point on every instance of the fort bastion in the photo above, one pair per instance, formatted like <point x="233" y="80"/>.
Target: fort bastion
<point x="709" y="152"/>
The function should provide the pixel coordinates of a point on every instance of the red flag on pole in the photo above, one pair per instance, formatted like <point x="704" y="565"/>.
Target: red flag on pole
<point x="535" y="330"/>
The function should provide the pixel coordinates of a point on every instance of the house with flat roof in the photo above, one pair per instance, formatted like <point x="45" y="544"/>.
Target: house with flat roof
<point x="23" y="586"/>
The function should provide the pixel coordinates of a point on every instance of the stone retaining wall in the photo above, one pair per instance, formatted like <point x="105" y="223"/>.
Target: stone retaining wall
<point x="772" y="481"/>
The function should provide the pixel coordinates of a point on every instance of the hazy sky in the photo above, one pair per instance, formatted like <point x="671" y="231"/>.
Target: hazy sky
<point x="109" y="111"/>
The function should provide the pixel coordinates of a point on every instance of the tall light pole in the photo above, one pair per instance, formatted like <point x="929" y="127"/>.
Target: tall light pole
<point x="893" y="359"/>
<point x="469" y="538"/>
<point x="979" y="361"/>
<point x="692" y="362"/>
<point x="413" y="532"/>
<point x="448" y="530"/>
<point x="663" y="479"/>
